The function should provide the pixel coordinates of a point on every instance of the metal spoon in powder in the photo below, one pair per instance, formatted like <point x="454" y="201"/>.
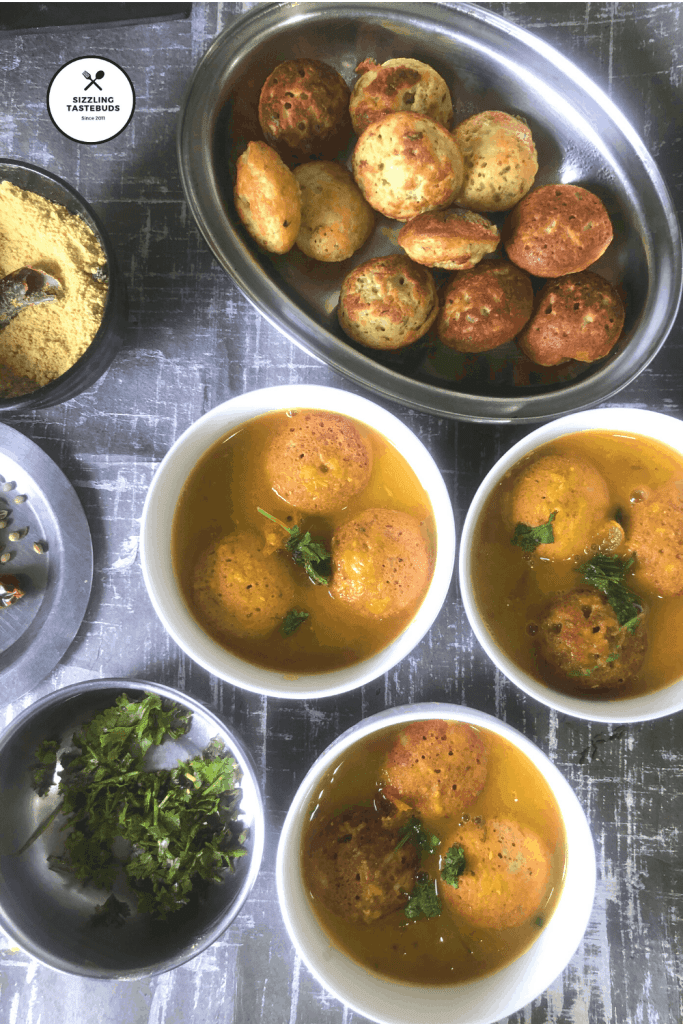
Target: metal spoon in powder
<point x="23" y="288"/>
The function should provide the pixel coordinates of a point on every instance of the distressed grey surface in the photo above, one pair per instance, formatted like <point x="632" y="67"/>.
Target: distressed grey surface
<point x="193" y="342"/>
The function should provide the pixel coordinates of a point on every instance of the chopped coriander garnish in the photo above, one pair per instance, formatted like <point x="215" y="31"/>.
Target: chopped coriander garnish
<point x="414" y="832"/>
<point x="423" y="900"/>
<point x="112" y="912"/>
<point x="309" y="553"/>
<point x="453" y="865"/>
<point x="606" y="573"/>
<point x="292" y="621"/>
<point x="314" y="557"/>
<point x="43" y="771"/>
<point x="529" y="537"/>
<point x="179" y="822"/>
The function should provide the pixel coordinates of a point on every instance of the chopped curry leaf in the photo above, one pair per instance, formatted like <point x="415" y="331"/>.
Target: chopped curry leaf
<point x="606" y="573"/>
<point x="423" y="900"/>
<point x="309" y="553"/>
<point x="179" y="822"/>
<point x="292" y="621"/>
<point x="529" y="537"/>
<point x="414" y="832"/>
<point x="453" y="865"/>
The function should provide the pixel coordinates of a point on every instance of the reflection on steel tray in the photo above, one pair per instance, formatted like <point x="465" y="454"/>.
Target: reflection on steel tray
<point x="36" y="631"/>
<point x="489" y="64"/>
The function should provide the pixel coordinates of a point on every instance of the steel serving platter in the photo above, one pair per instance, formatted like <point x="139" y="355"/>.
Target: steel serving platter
<point x="488" y="63"/>
<point x="37" y="630"/>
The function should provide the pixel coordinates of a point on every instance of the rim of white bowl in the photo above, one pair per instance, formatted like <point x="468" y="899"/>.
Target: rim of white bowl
<point x="484" y="1000"/>
<point x="159" y="510"/>
<point x="634" y="422"/>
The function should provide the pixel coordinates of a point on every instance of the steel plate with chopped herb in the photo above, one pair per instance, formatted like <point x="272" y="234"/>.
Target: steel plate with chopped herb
<point x="166" y="832"/>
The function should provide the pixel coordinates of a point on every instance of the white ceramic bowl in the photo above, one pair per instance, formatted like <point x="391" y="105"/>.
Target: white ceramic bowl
<point x="476" y="1002"/>
<point x="641" y="708"/>
<point x="159" y="510"/>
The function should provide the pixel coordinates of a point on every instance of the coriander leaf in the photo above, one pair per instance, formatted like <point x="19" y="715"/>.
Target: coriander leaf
<point x="292" y="621"/>
<point x="309" y="553"/>
<point x="315" y="559"/>
<point x="632" y="624"/>
<point x="112" y="912"/>
<point x="529" y="537"/>
<point x="453" y="865"/>
<point x="413" y="832"/>
<point x="423" y="900"/>
<point x="45" y="766"/>
<point x="606" y="573"/>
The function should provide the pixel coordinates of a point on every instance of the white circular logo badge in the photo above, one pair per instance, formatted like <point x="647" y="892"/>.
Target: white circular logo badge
<point x="91" y="99"/>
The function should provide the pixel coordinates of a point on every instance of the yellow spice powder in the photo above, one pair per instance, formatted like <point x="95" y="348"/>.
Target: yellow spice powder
<point x="44" y="341"/>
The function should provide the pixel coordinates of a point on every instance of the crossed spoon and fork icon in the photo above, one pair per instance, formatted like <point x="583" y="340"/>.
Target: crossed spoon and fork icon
<point x="93" y="81"/>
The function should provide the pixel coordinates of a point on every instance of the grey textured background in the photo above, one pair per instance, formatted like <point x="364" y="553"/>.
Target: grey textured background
<point x="194" y="341"/>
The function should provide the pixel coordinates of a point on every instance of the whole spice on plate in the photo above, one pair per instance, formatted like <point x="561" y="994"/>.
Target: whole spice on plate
<point x="10" y="591"/>
<point x="45" y="340"/>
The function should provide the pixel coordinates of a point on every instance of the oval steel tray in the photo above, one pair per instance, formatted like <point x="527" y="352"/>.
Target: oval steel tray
<point x="489" y="63"/>
<point x="36" y="631"/>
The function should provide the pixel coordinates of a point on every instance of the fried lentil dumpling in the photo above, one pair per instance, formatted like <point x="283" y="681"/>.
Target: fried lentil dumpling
<point x="500" y="161"/>
<point x="387" y="303"/>
<point x="437" y="767"/>
<point x="399" y="84"/>
<point x="571" y="488"/>
<point x="485" y="307"/>
<point x="354" y="868"/>
<point x="557" y="230"/>
<point x="580" y="638"/>
<point x="450" y="239"/>
<point x="407" y="164"/>
<point x="579" y="316"/>
<point x="242" y="589"/>
<point x="655" y="532"/>
<point x="267" y="198"/>
<point x="335" y="218"/>
<point x="318" y="461"/>
<point x="506" y="876"/>
<point x="304" y="110"/>
<point x="381" y="564"/>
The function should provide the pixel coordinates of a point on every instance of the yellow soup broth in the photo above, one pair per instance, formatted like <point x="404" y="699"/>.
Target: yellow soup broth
<point x="511" y="587"/>
<point x="222" y="495"/>
<point x="446" y="949"/>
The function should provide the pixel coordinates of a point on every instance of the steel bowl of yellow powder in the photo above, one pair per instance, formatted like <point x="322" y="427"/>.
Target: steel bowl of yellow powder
<point x="52" y="351"/>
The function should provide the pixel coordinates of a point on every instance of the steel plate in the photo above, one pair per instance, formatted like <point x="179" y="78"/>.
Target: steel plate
<point x="49" y="914"/>
<point x="489" y="64"/>
<point x="36" y="631"/>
